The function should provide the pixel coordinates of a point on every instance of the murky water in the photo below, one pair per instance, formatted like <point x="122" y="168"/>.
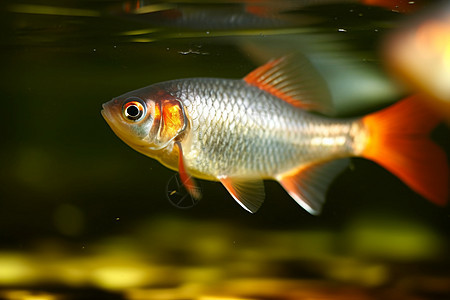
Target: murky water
<point x="83" y="216"/>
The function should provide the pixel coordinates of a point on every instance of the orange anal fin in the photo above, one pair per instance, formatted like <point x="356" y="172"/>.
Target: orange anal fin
<point x="187" y="180"/>
<point x="308" y="184"/>
<point x="398" y="140"/>
<point x="294" y="80"/>
<point x="249" y="193"/>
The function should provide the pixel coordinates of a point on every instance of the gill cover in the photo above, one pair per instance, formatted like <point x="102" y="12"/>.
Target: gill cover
<point x="170" y="120"/>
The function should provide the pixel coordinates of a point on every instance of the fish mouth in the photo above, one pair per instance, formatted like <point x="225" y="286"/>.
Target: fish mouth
<point x="106" y="114"/>
<point x="103" y="111"/>
<point x="114" y="124"/>
<point x="109" y="112"/>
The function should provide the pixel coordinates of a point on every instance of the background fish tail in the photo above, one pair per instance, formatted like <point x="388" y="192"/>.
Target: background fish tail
<point x="398" y="141"/>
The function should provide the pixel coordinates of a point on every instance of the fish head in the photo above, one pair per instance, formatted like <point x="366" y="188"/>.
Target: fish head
<point x="148" y="119"/>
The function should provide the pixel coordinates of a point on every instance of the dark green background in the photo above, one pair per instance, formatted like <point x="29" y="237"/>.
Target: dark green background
<point x="58" y="157"/>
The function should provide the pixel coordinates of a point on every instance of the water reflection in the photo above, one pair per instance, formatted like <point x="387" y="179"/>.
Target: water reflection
<point x="197" y="260"/>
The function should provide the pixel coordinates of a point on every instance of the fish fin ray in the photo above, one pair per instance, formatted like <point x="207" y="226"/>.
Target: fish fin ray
<point x="308" y="184"/>
<point x="186" y="179"/>
<point x="293" y="79"/>
<point x="249" y="193"/>
<point x="398" y="140"/>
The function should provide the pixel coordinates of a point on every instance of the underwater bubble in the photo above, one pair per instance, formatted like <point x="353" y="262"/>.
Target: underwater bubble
<point x="177" y="194"/>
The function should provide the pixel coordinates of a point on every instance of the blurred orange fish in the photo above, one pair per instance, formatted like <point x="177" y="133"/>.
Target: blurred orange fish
<point x="240" y="132"/>
<point x="419" y="54"/>
<point x="240" y="14"/>
<point x="403" y="6"/>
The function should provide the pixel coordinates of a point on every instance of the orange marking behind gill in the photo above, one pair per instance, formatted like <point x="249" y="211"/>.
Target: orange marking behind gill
<point x="173" y="118"/>
<point x="157" y="115"/>
<point x="398" y="140"/>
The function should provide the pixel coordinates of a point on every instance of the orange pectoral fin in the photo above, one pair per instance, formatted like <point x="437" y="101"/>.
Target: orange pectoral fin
<point x="187" y="180"/>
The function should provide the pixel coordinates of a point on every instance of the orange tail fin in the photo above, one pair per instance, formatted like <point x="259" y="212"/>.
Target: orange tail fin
<point x="398" y="141"/>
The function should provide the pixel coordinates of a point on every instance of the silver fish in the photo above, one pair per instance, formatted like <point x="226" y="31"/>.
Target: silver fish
<point x="240" y="132"/>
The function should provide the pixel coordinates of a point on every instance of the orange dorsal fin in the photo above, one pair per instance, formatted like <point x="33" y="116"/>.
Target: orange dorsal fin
<point x="293" y="79"/>
<point x="308" y="184"/>
<point x="398" y="140"/>
<point x="249" y="193"/>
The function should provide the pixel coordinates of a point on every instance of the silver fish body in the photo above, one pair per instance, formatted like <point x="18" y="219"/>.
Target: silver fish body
<point x="240" y="132"/>
<point x="237" y="129"/>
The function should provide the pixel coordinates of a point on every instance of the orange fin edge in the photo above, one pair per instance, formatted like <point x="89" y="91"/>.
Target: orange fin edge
<point x="398" y="140"/>
<point x="187" y="180"/>
<point x="293" y="79"/>
<point x="248" y="193"/>
<point x="308" y="184"/>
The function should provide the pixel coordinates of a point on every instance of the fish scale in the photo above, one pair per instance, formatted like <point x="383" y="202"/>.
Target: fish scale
<point x="248" y="132"/>
<point x="265" y="126"/>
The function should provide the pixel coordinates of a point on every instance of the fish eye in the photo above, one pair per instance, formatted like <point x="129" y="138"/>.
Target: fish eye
<point x="134" y="109"/>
